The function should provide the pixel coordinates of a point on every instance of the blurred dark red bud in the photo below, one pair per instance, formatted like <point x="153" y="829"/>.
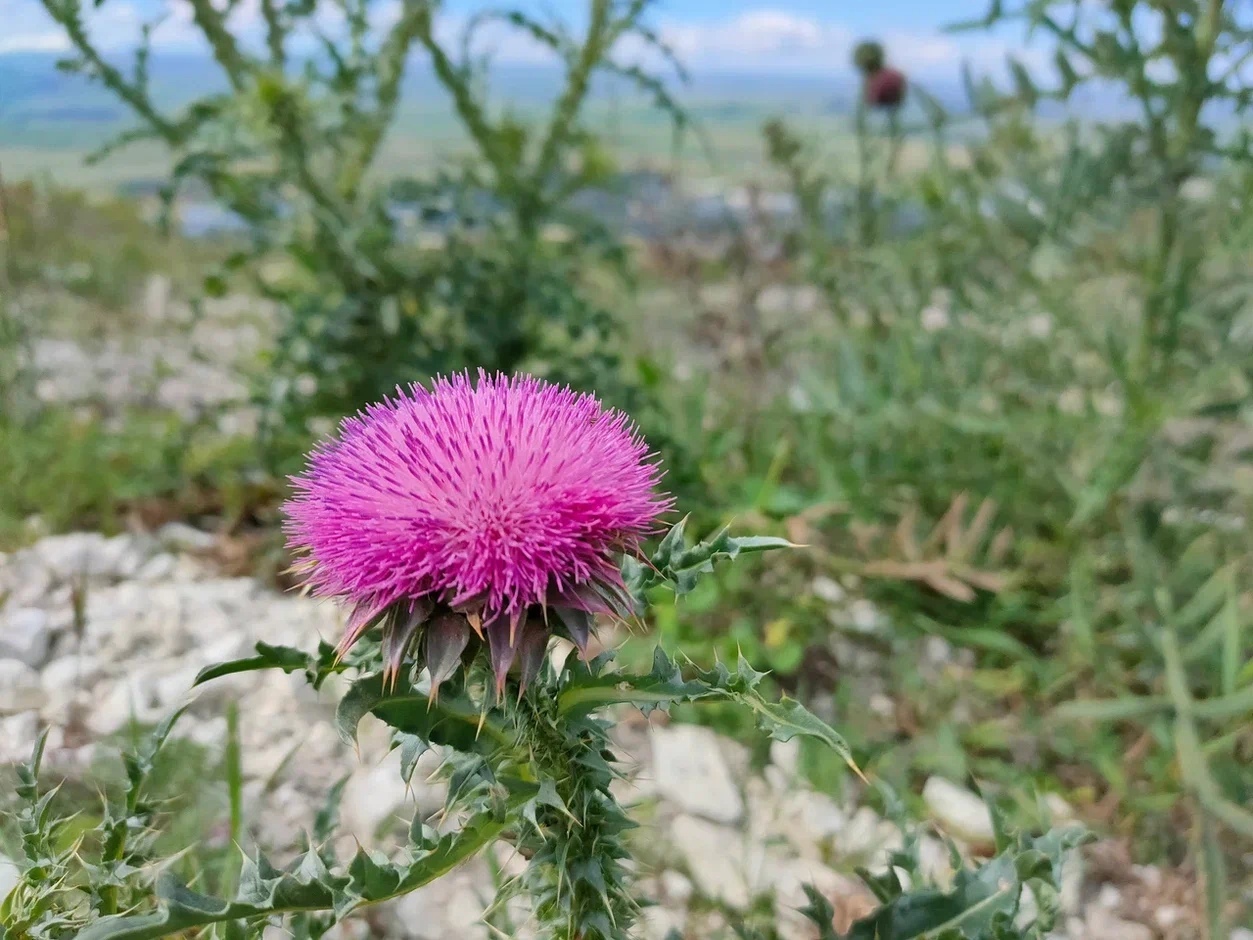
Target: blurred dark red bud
<point x="885" y="88"/>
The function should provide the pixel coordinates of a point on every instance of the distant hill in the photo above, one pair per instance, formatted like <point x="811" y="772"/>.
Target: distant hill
<point x="50" y="118"/>
<point x="34" y="92"/>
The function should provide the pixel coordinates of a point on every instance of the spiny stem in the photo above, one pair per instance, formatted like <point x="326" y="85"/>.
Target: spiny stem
<point x="576" y="880"/>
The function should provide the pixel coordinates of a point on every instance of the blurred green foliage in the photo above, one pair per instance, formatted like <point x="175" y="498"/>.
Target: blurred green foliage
<point x="290" y="149"/>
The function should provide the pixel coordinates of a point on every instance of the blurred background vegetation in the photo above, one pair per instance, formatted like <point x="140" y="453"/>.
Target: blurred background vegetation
<point x="986" y="354"/>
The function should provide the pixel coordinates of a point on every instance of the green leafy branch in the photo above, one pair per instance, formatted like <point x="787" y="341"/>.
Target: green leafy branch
<point x="590" y="688"/>
<point x="308" y="885"/>
<point x="680" y="565"/>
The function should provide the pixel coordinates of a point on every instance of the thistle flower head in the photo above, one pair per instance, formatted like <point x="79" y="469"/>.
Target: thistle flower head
<point x="475" y="506"/>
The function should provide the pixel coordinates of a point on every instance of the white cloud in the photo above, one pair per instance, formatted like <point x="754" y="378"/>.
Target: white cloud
<point x="757" y="38"/>
<point x="26" y="29"/>
<point x="112" y="25"/>
<point x="37" y="41"/>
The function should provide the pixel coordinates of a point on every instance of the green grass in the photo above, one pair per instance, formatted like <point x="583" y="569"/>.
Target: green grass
<point x="74" y="471"/>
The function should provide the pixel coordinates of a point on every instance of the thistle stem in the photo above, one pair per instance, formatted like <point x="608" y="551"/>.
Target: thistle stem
<point x="576" y="880"/>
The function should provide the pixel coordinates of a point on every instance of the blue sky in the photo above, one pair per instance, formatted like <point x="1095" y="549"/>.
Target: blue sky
<point x="768" y="36"/>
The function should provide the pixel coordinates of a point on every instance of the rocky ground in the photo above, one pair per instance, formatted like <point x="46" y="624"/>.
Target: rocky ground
<point x="96" y="632"/>
<point x="176" y="359"/>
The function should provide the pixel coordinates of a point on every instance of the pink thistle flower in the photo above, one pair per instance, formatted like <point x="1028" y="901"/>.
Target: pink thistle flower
<point x="480" y="504"/>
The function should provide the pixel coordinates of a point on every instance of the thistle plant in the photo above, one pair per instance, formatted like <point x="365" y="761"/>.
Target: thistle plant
<point x="466" y="525"/>
<point x="882" y="85"/>
<point x="869" y="198"/>
<point x="293" y="146"/>
<point x="472" y="528"/>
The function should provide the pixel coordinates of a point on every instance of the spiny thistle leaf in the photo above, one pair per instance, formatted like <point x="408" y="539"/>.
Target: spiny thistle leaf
<point x="665" y="686"/>
<point x="411" y="748"/>
<point x="681" y="566"/>
<point x="982" y="903"/>
<point x="661" y="688"/>
<point x="316" y="666"/>
<point x="451" y="720"/>
<point x="265" y="892"/>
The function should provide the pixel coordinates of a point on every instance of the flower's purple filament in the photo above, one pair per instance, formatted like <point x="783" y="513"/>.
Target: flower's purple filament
<point x="490" y="496"/>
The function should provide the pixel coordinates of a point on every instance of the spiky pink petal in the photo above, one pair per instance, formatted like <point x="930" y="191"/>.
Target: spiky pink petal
<point x="490" y="496"/>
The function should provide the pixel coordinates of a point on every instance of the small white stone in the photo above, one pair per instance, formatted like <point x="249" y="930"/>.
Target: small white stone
<point x="1028" y="908"/>
<point x="786" y="756"/>
<point x="209" y="733"/>
<point x="829" y="590"/>
<point x="658" y="923"/>
<point x="935" y="861"/>
<point x="788" y="878"/>
<point x="690" y="771"/>
<point x="69" y="674"/>
<point x="1059" y="809"/>
<point x="676" y="887"/>
<point x="799" y="398"/>
<point x="867" y="839"/>
<point x="1103" y="924"/>
<point x="17" y="737"/>
<point x="157" y="298"/>
<point x="1070" y="891"/>
<point x="958" y="810"/>
<point x="882" y="706"/>
<point x="933" y="318"/>
<point x="1150" y="876"/>
<point x="1108" y="405"/>
<point x="89" y="554"/>
<point x="864" y="616"/>
<point x="10" y="875"/>
<point x="937" y="651"/>
<point x="377" y="794"/>
<point x="19" y="688"/>
<point x="26" y="635"/>
<point x="180" y="537"/>
<point x="1071" y="401"/>
<point x="511" y="863"/>
<point x="1166" y="917"/>
<point x="1109" y="897"/>
<point x="25" y="580"/>
<point x="465" y="910"/>
<point x="808" y="820"/>
<point x="715" y="859"/>
<point x="354" y="928"/>
<point x="160" y="567"/>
